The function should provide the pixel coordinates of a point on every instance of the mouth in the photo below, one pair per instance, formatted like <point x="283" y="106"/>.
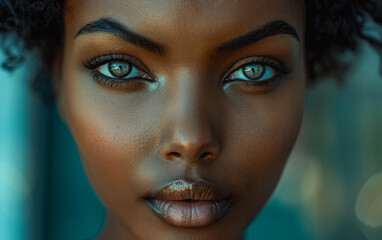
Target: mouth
<point x="184" y="204"/>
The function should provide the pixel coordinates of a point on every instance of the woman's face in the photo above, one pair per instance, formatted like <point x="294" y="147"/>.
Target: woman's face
<point x="207" y="95"/>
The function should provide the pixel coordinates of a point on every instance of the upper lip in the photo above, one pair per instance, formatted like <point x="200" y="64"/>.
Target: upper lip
<point x="182" y="190"/>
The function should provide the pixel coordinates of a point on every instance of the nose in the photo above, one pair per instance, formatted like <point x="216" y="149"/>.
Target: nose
<point x="189" y="146"/>
<point x="189" y="133"/>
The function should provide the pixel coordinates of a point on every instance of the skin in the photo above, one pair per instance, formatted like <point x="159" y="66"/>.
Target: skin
<point x="134" y="139"/>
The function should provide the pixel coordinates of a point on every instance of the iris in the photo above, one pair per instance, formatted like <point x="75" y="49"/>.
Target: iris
<point x="119" y="69"/>
<point x="253" y="71"/>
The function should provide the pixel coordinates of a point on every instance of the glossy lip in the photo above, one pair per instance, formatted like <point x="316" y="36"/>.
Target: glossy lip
<point x="190" y="204"/>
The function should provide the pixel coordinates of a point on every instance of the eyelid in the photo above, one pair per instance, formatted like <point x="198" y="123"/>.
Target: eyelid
<point x="279" y="67"/>
<point x="104" y="59"/>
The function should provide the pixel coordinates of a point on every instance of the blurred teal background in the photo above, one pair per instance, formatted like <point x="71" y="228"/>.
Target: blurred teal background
<point x="331" y="188"/>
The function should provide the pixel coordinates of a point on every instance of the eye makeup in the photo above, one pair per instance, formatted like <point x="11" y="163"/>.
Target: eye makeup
<point x="271" y="72"/>
<point x="261" y="72"/>
<point x="104" y="71"/>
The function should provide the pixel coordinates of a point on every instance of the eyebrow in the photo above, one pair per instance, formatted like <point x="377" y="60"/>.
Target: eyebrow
<point x="108" y="25"/>
<point x="269" y="29"/>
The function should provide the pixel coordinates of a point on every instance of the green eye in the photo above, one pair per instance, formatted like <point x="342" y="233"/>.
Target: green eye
<point x="119" y="69"/>
<point x="253" y="71"/>
<point x="261" y="73"/>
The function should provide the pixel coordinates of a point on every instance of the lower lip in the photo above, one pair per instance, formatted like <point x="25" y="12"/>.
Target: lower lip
<point x="190" y="214"/>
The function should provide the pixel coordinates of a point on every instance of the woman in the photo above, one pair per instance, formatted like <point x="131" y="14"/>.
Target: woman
<point x="185" y="112"/>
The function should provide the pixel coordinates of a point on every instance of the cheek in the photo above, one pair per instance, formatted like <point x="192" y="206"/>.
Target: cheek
<point x="261" y="137"/>
<point x="110" y="133"/>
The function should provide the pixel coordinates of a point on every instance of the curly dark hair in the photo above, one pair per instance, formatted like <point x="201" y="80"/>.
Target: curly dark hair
<point x="332" y="28"/>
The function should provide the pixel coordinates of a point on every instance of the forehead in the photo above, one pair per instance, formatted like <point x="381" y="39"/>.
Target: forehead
<point x="174" y="21"/>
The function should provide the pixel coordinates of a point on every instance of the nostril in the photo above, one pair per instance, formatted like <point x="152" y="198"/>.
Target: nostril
<point x="206" y="155"/>
<point x="173" y="155"/>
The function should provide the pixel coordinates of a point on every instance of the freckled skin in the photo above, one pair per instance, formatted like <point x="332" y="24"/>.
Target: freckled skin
<point x="134" y="140"/>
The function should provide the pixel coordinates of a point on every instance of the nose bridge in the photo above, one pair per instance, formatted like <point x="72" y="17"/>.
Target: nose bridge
<point x="188" y="133"/>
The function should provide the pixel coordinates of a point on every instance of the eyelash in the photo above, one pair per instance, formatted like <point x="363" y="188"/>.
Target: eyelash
<point x="100" y="60"/>
<point x="280" y="69"/>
